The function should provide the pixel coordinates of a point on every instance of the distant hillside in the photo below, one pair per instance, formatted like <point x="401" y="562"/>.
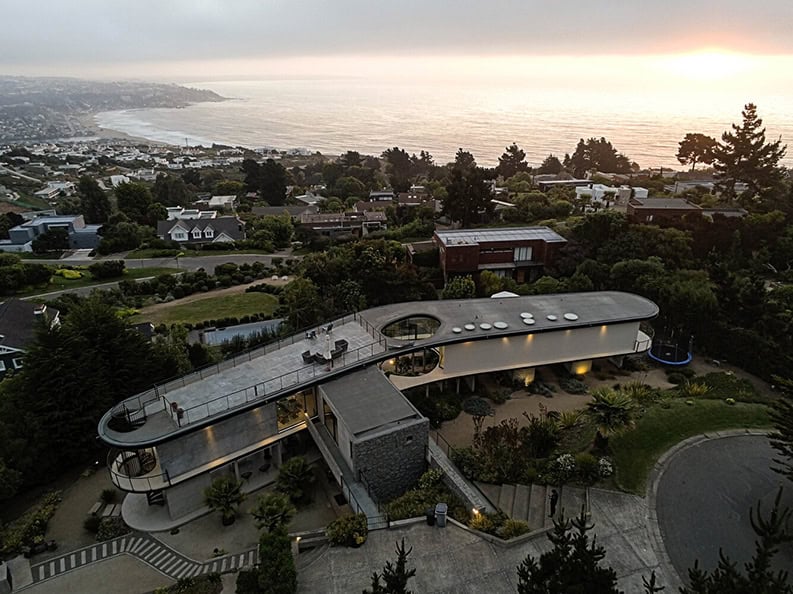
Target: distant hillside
<point x="48" y="108"/>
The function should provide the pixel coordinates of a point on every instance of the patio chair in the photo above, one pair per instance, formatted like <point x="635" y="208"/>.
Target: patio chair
<point x="336" y="353"/>
<point x="307" y="357"/>
<point x="320" y="358"/>
<point x="341" y="344"/>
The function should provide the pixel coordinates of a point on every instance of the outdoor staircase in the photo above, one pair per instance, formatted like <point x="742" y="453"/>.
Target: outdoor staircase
<point x="531" y="503"/>
<point x="155" y="497"/>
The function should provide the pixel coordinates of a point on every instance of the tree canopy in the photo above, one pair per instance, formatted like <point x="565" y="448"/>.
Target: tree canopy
<point x="744" y="155"/>
<point x="512" y="161"/>
<point x="468" y="195"/>
<point x="596" y="154"/>
<point x="696" y="148"/>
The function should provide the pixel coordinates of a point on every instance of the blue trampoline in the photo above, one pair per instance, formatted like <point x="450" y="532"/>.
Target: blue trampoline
<point x="671" y="352"/>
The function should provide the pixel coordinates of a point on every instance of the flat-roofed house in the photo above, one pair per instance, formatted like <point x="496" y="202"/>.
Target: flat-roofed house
<point x="520" y="253"/>
<point x="656" y="210"/>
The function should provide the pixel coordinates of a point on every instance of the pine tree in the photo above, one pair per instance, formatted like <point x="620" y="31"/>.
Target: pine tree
<point x="572" y="566"/>
<point x="395" y="577"/>
<point x="744" y="155"/>
<point x="782" y="417"/>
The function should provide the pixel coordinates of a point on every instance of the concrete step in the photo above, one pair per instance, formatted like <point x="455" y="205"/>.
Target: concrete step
<point x="537" y="510"/>
<point x="490" y="491"/>
<point x="520" y="507"/>
<point x="506" y="498"/>
<point x="571" y="500"/>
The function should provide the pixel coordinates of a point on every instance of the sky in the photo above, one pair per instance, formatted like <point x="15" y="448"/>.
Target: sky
<point x="215" y="39"/>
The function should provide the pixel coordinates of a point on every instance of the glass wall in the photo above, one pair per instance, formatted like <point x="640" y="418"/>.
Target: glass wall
<point x="415" y="328"/>
<point x="293" y="410"/>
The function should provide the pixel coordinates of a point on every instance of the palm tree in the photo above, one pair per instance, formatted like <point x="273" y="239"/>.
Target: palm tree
<point x="225" y="495"/>
<point x="612" y="412"/>
<point x="273" y="511"/>
<point x="295" y="478"/>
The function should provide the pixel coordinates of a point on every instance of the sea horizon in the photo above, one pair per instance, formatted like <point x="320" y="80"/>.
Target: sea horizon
<point x="334" y="114"/>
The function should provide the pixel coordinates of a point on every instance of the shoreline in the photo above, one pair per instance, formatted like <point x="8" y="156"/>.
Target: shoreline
<point x="88" y="121"/>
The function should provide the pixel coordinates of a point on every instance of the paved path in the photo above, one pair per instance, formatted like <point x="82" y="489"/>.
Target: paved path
<point x="146" y="548"/>
<point x="704" y="496"/>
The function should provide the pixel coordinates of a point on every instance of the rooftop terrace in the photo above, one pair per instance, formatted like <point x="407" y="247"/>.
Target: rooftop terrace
<point x="279" y="369"/>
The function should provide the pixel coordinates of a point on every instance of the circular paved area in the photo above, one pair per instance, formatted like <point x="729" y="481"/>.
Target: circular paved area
<point x="704" y="498"/>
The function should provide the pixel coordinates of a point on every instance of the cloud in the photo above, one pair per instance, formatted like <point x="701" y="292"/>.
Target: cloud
<point x="54" y="33"/>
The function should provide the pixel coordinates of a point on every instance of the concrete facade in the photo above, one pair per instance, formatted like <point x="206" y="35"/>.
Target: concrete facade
<point x="219" y="421"/>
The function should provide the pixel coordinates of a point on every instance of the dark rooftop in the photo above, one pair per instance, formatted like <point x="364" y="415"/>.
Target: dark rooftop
<point x="367" y="401"/>
<point x="18" y="322"/>
<point x="656" y="203"/>
<point x="475" y="236"/>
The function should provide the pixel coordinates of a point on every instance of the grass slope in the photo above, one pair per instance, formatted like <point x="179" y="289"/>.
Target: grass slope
<point x="636" y="451"/>
<point x="58" y="283"/>
<point x="211" y="308"/>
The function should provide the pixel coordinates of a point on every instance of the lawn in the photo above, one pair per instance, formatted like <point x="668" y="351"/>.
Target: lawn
<point x="636" y="451"/>
<point x="58" y="283"/>
<point x="211" y="308"/>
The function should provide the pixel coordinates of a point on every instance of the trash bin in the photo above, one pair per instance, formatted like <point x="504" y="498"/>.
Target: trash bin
<point x="430" y="513"/>
<point x="440" y="514"/>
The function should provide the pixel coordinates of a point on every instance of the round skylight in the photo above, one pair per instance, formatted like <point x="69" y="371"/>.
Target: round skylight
<point x="470" y="327"/>
<point x="552" y="317"/>
<point x="526" y="315"/>
<point x="528" y="321"/>
<point x="570" y="317"/>
<point x="485" y="326"/>
<point x="500" y="325"/>
<point x="457" y="329"/>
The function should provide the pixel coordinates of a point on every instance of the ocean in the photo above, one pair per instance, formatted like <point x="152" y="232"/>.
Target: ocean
<point x="338" y="114"/>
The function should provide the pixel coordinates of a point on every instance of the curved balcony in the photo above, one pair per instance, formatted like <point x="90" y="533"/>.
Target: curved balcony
<point x="137" y="471"/>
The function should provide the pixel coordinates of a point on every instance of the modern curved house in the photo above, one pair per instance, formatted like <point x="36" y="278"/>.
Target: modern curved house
<point x="342" y="383"/>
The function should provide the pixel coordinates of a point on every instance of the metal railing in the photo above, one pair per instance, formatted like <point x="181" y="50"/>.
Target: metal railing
<point x="641" y="345"/>
<point x="150" y="481"/>
<point x="214" y="368"/>
<point x="444" y="445"/>
<point x="261" y="390"/>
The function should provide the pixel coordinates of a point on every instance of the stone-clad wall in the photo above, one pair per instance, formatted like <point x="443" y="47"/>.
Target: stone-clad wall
<point x="393" y="460"/>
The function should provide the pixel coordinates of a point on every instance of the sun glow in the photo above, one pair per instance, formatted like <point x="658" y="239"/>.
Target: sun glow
<point x="708" y="64"/>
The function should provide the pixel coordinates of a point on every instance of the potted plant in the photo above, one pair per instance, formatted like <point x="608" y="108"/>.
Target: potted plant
<point x="225" y="495"/>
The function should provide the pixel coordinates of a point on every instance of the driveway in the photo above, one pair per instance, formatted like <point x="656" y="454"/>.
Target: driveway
<point x="705" y="496"/>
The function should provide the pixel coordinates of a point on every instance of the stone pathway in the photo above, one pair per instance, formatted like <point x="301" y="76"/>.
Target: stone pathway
<point x="146" y="548"/>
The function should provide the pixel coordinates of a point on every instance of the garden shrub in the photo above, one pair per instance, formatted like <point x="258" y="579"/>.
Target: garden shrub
<point x="513" y="528"/>
<point x="477" y="406"/>
<point x="91" y="524"/>
<point x="108" y="496"/>
<point x="725" y="384"/>
<point x="569" y="419"/>
<point x="111" y="527"/>
<point x="29" y="528"/>
<point x="483" y="522"/>
<point x="573" y="386"/>
<point x="687" y="372"/>
<point x="586" y="468"/>
<point x="694" y="390"/>
<point x="107" y="269"/>
<point x="605" y="467"/>
<point x="499" y="396"/>
<point x="210" y="583"/>
<point x="277" y="572"/>
<point x="69" y="274"/>
<point x="541" y="388"/>
<point x="676" y="378"/>
<point x="350" y="530"/>
<point x="467" y="462"/>
<point x="637" y="363"/>
<point x="560" y="470"/>
<point x="431" y="479"/>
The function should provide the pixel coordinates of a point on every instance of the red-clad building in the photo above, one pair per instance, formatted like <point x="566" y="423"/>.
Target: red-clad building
<point x="520" y="253"/>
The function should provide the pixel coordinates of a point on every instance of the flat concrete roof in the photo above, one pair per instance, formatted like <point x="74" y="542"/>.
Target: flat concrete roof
<point x="657" y="203"/>
<point x="278" y="370"/>
<point x="367" y="401"/>
<point x="590" y="309"/>
<point x="476" y="236"/>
